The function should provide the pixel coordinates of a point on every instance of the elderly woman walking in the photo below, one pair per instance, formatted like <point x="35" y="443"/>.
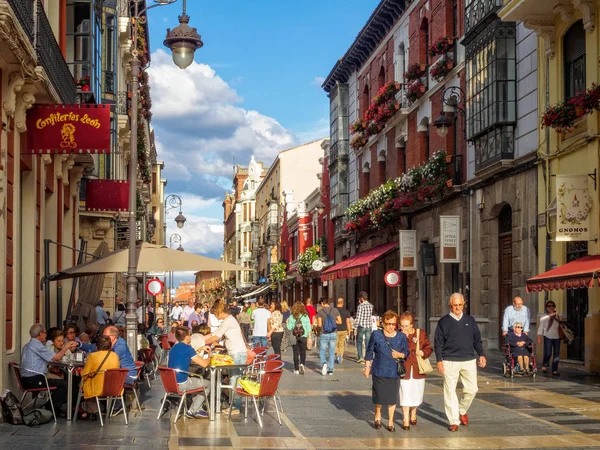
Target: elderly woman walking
<point x="384" y="348"/>
<point x="412" y="386"/>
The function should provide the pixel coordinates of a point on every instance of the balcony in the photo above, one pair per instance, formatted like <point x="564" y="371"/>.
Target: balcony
<point x="525" y="10"/>
<point x="51" y="59"/>
<point x="494" y="150"/>
<point x="479" y="10"/>
<point x="24" y="9"/>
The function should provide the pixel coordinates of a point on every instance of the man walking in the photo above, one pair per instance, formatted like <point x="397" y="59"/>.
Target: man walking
<point x="260" y="316"/>
<point x="457" y="339"/>
<point x="363" y="325"/>
<point x="101" y="315"/>
<point x="517" y="312"/>
<point x="328" y="319"/>
<point x="343" y="329"/>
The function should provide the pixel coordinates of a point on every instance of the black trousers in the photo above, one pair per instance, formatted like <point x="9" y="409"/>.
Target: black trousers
<point x="59" y="396"/>
<point x="245" y="330"/>
<point x="276" y="339"/>
<point x="299" y="352"/>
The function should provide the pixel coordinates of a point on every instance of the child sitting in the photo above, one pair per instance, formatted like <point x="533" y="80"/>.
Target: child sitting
<point x="519" y="343"/>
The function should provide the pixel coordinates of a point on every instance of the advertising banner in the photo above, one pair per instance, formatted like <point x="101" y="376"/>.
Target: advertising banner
<point x="106" y="195"/>
<point x="408" y="250"/>
<point x="573" y="208"/>
<point x="61" y="129"/>
<point x="450" y="239"/>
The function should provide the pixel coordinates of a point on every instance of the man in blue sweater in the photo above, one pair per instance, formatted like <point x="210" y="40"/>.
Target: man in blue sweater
<point x="457" y="341"/>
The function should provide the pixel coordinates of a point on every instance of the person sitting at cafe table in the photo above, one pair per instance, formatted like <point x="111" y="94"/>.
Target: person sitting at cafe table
<point x="35" y="357"/>
<point x="57" y="341"/>
<point x="92" y="375"/>
<point x="181" y="356"/>
<point x="119" y="346"/>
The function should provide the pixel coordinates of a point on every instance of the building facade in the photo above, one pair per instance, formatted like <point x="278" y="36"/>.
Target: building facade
<point x="53" y="53"/>
<point x="291" y="177"/>
<point x="432" y="132"/>
<point x="567" y="39"/>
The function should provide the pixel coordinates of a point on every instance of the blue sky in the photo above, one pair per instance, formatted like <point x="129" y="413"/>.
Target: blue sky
<point x="254" y="89"/>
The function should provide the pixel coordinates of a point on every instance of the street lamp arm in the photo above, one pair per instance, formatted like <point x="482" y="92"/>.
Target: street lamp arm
<point x="157" y="4"/>
<point x="172" y="201"/>
<point x="453" y="96"/>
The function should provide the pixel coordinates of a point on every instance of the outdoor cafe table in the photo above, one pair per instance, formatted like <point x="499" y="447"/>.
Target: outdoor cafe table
<point x="69" y="367"/>
<point x="215" y="386"/>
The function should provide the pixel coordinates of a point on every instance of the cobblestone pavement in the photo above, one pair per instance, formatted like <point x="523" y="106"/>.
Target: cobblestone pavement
<point x="336" y="412"/>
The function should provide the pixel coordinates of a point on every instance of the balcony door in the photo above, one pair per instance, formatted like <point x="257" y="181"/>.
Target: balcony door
<point x="505" y="256"/>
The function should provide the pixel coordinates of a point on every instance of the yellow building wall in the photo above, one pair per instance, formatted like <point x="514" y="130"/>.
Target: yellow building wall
<point x="571" y="153"/>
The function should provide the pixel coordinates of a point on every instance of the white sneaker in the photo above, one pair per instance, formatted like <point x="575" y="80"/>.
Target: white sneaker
<point x="324" y="369"/>
<point x="301" y="369"/>
<point x="296" y="372"/>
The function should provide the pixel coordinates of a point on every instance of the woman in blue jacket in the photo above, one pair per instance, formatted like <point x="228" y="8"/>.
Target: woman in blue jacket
<point x="384" y="348"/>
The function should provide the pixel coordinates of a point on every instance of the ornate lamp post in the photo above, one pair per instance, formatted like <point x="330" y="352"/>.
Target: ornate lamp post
<point x="184" y="43"/>
<point x="173" y="201"/>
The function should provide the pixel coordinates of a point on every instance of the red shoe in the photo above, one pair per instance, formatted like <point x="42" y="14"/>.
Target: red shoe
<point x="464" y="419"/>
<point x="453" y="428"/>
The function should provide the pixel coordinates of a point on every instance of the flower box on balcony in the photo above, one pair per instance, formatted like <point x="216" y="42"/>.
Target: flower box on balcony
<point x="562" y="116"/>
<point x="441" y="46"/>
<point x="415" y="71"/>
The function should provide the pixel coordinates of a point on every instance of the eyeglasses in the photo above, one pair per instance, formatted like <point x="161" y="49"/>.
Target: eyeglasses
<point x="387" y="324"/>
<point x="550" y="306"/>
<point x="517" y="327"/>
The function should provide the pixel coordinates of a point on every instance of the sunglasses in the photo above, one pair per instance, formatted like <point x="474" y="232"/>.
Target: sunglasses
<point x="517" y="327"/>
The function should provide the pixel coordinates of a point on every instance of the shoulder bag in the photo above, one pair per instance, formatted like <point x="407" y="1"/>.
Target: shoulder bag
<point x="423" y="363"/>
<point x="401" y="370"/>
<point x="94" y="373"/>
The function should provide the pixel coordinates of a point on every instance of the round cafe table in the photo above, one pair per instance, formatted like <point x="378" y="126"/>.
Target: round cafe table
<point x="69" y="367"/>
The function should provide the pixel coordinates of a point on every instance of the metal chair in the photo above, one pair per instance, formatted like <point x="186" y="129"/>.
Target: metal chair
<point x="112" y="389"/>
<point x="33" y="391"/>
<point x="165" y="348"/>
<point x="135" y="387"/>
<point x="268" y="378"/>
<point x="169" y="381"/>
<point x="146" y="355"/>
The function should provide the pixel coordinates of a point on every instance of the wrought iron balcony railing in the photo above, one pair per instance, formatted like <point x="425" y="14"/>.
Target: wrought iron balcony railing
<point x="51" y="59"/>
<point x="24" y="11"/>
<point x="122" y="105"/>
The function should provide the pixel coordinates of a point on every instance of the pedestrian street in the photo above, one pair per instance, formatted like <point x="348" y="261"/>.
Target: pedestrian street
<point x="336" y="412"/>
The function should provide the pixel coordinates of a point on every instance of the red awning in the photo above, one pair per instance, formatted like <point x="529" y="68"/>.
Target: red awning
<point x="358" y="265"/>
<point x="576" y="274"/>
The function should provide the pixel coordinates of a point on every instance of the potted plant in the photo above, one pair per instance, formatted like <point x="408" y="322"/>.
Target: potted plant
<point x="441" y="68"/>
<point x="441" y="46"/>
<point x="415" y="91"/>
<point x="83" y="83"/>
<point x="415" y="71"/>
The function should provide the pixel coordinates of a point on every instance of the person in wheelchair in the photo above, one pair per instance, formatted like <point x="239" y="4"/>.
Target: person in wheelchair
<point x="520" y="346"/>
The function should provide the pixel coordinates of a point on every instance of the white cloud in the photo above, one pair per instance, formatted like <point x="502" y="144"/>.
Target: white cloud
<point x="318" y="81"/>
<point x="200" y="124"/>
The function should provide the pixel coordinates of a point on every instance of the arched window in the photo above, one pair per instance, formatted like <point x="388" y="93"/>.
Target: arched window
<point x="381" y="77"/>
<point x="574" y="59"/>
<point x="400" y="57"/>
<point x="366" y="100"/>
<point x="424" y="47"/>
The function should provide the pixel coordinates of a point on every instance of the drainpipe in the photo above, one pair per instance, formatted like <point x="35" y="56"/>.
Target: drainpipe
<point x="469" y="202"/>
<point x="546" y="172"/>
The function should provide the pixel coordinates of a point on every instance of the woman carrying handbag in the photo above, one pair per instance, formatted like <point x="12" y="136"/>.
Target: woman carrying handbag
<point x="417" y="364"/>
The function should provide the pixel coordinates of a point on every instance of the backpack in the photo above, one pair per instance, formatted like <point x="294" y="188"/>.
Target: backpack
<point x="298" y="329"/>
<point x="329" y="325"/>
<point x="11" y="408"/>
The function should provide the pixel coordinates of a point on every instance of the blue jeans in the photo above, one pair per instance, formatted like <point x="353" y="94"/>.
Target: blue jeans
<point x="366" y="334"/>
<point x="327" y="342"/>
<point x="238" y="358"/>
<point x="549" y="345"/>
<point x="260" y="341"/>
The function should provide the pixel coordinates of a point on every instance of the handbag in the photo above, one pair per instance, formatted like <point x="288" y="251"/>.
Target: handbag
<point x="423" y="363"/>
<point x="400" y="369"/>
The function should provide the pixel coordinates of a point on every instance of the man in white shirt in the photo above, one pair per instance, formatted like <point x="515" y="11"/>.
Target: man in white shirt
<point x="187" y="310"/>
<point x="260" y="316"/>
<point x="176" y="312"/>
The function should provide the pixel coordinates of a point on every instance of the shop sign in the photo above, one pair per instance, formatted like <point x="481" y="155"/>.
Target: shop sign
<point x="573" y="208"/>
<point x="450" y="239"/>
<point x="59" y="129"/>
<point x="408" y="250"/>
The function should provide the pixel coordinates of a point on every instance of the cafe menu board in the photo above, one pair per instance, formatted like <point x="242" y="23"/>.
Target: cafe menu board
<point x="450" y="239"/>
<point x="408" y="250"/>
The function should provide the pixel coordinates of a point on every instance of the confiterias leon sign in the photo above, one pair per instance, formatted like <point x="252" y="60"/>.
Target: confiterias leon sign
<point x="68" y="129"/>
